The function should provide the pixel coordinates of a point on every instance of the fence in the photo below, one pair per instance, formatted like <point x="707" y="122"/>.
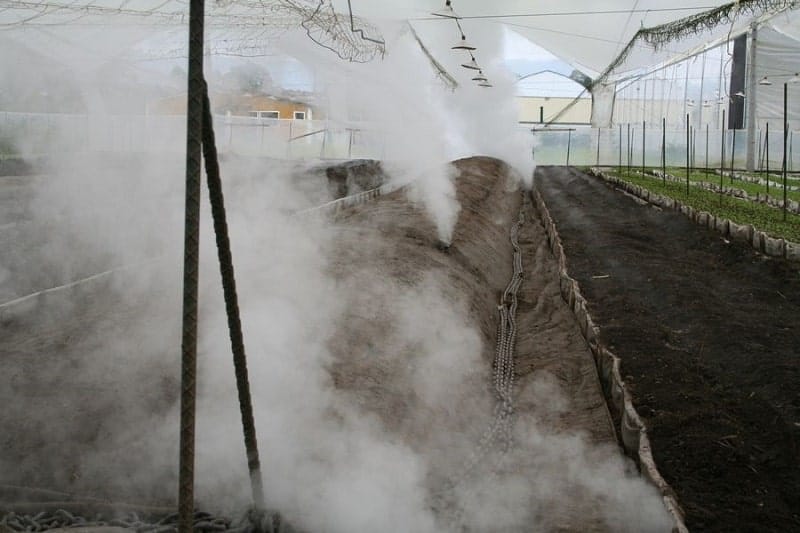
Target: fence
<point x="632" y="144"/>
<point x="35" y="134"/>
<point x="45" y="133"/>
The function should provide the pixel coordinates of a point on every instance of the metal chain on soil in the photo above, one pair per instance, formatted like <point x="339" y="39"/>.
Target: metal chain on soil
<point x="498" y="436"/>
<point x="61" y="518"/>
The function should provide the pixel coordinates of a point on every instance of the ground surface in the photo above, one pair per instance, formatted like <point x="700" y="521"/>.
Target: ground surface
<point x="85" y="366"/>
<point x="708" y="333"/>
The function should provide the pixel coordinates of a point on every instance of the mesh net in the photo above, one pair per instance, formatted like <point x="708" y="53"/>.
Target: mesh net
<point x="243" y="27"/>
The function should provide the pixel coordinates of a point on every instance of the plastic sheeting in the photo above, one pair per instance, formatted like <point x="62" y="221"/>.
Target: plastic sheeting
<point x="584" y="33"/>
<point x="776" y="58"/>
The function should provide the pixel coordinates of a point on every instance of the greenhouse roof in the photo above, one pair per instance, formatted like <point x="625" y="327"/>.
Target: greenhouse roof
<point x="607" y="39"/>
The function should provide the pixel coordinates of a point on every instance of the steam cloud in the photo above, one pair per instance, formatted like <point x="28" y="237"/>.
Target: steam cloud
<point x="333" y="460"/>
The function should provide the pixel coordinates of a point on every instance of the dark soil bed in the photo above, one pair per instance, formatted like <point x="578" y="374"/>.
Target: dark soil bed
<point x="708" y="332"/>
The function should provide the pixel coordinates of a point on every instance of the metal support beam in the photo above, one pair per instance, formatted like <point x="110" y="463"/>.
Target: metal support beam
<point x="751" y="89"/>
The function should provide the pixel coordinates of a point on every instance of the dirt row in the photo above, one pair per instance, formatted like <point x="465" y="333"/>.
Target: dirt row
<point x="84" y="366"/>
<point x="707" y="331"/>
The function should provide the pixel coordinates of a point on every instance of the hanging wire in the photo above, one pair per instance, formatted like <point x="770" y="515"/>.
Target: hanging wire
<point x="257" y="23"/>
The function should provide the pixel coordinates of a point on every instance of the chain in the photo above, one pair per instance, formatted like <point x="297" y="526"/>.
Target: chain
<point x="499" y="433"/>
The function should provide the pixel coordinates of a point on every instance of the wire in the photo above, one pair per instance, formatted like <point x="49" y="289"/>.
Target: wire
<point x="576" y="13"/>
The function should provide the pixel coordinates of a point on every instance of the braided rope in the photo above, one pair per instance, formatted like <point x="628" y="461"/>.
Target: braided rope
<point x="217" y="200"/>
<point x="194" y="129"/>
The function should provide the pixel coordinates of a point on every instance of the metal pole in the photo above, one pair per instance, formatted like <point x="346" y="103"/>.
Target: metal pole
<point x="687" y="153"/>
<point x="191" y="250"/>
<point x="350" y="146"/>
<point x="628" y="149"/>
<point x="700" y="102"/>
<point x="664" y="150"/>
<point x="751" y="100"/>
<point x="706" y="172"/>
<point x="686" y="87"/>
<point x="719" y="85"/>
<point x="766" y="155"/>
<point x="733" y="153"/>
<point x="569" y="141"/>
<point x="785" y="137"/>
<point x="289" y="140"/>
<point x="644" y="145"/>
<point x="597" y="163"/>
<point x="722" y="157"/>
<point x="760" y="154"/>
<point x="620" y="150"/>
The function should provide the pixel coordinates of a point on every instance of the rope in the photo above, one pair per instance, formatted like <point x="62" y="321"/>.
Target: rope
<point x="191" y="247"/>
<point x="231" y="301"/>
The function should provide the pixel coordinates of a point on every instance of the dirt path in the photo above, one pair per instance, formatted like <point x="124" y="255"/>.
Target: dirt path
<point x="707" y="332"/>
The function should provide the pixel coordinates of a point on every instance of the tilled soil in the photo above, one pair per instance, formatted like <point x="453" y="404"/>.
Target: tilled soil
<point x="557" y="388"/>
<point x="383" y="249"/>
<point x="707" y="331"/>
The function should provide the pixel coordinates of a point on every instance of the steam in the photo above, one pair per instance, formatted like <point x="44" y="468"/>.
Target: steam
<point x="369" y="389"/>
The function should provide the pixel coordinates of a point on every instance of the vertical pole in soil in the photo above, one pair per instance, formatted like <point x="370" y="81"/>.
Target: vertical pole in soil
<point x="569" y="142"/>
<point x="733" y="153"/>
<point x="628" y="148"/>
<point x="289" y="141"/>
<point x="706" y="171"/>
<point x="350" y="146"/>
<point x="785" y="137"/>
<point x="664" y="150"/>
<point x="688" y="133"/>
<point x="760" y="154"/>
<point x="644" y="146"/>
<point x="619" y="170"/>
<point x="722" y="157"/>
<point x="633" y="148"/>
<point x="766" y="155"/>
<point x="191" y="250"/>
<point x="597" y="163"/>
<point x="217" y="200"/>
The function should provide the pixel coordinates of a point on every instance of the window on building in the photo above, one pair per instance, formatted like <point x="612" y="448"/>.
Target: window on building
<point x="269" y="114"/>
<point x="253" y="114"/>
<point x="299" y="115"/>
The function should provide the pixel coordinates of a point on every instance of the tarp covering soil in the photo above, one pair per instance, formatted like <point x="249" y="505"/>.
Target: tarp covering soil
<point x="708" y="333"/>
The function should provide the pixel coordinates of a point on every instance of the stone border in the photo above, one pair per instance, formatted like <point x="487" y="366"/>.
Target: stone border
<point x="746" y="233"/>
<point x="632" y="429"/>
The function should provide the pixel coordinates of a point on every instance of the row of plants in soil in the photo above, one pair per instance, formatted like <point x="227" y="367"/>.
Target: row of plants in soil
<point x="750" y="187"/>
<point x="762" y="217"/>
